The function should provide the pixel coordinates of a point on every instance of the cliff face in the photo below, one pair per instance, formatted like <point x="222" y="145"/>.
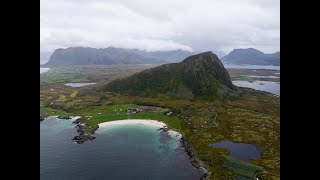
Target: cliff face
<point x="198" y="76"/>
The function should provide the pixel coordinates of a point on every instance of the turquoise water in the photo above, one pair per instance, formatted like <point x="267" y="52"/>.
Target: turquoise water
<point x="118" y="152"/>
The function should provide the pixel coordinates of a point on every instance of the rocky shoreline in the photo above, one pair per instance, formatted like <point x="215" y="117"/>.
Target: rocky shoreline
<point x="83" y="135"/>
<point x="163" y="129"/>
<point x="42" y="117"/>
<point x="195" y="163"/>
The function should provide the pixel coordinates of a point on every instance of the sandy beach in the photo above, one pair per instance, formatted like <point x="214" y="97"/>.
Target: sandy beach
<point x="153" y="123"/>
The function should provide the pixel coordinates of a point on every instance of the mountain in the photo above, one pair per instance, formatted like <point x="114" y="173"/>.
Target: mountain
<point x="44" y="57"/>
<point x="111" y="55"/>
<point x="92" y="56"/>
<point x="173" y="56"/>
<point x="170" y="56"/>
<point x="198" y="76"/>
<point x="252" y="56"/>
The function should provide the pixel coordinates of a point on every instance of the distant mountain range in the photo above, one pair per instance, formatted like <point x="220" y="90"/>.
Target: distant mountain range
<point x="252" y="56"/>
<point x="92" y="56"/>
<point x="111" y="55"/>
<point x="198" y="76"/>
<point x="169" y="56"/>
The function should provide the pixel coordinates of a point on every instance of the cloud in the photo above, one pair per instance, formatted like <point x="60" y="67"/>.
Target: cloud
<point x="161" y="25"/>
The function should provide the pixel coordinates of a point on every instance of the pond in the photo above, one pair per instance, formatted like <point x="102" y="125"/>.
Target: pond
<point x="78" y="84"/>
<point x="241" y="151"/>
<point x="268" y="86"/>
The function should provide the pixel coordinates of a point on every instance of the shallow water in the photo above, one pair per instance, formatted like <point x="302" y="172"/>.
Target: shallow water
<point x="268" y="86"/>
<point x="118" y="152"/>
<point x="249" y="66"/>
<point x="241" y="151"/>
<point x="78" y="84"/>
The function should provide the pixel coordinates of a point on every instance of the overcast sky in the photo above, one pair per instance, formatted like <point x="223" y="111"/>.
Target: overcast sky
<point x="196" y="25"/>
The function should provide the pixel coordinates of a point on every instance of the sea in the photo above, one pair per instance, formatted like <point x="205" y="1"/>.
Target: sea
<point x="123" y="152"/>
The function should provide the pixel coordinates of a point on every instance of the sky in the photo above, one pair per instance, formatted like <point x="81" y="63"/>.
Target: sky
<point x="160" y="25"/>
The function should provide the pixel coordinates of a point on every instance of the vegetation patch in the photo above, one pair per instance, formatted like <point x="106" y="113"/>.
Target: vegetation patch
<point x="54" y="112"/>
<point x="242" y="169"/>
<point x="241" y="78"/>
<point x="62" y="98"/>
<point x="74" y="93"/>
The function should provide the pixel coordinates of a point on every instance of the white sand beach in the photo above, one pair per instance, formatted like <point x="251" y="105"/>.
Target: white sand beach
<point x="146" y="122"/>
<point x="134" y="122"/>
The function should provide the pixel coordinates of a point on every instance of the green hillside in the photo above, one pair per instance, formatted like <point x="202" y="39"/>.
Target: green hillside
<point x="198" y="76"/>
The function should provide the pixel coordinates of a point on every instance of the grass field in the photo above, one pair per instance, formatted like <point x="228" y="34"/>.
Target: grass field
<point x="100" y="114"/>
<point x="242" y="169"/>
<point x="53" y="77"/>
<point x="241" y="78"/>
